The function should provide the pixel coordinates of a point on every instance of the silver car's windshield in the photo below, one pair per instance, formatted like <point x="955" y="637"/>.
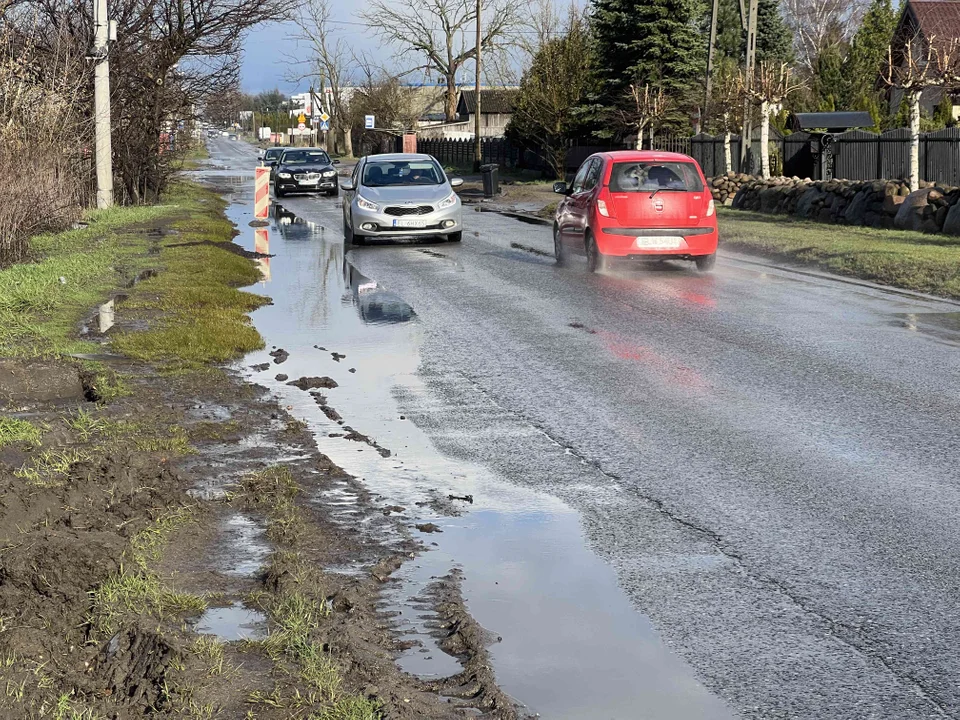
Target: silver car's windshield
<point x="401" y="172"/>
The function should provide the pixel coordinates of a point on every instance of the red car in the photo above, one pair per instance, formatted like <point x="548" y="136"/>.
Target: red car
<point x="637" y="204"/>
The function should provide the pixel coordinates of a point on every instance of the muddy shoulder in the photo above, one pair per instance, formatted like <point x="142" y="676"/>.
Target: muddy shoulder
<point x="170" y="546"/>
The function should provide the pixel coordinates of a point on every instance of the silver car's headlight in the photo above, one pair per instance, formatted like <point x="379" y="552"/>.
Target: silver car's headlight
<point x="330" y="173"/>
<point x="365" y="204"/>
<point x="447" y="201"/>
<point x="285" y="176"/>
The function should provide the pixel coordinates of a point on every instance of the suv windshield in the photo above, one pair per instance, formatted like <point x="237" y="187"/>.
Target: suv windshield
<point x="654" y="176"/>
<point x="401" y="172"/>
<point x="272" y="153"/>
<point x="303" y="157"/>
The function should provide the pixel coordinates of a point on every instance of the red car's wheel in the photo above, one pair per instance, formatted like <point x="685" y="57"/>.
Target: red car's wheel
<point x="596" y="260"/>
<point x="705" y="263"/>
<point x="559" y="252"/>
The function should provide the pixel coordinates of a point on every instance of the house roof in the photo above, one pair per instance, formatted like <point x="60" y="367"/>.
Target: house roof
<point x="491" y="101"/>
<point x="936" y="18"/>
<point x="832" y="121"/>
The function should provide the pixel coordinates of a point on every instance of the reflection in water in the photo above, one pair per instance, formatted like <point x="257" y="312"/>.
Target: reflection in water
<point x="261" y="244"/>
<point x="374" y="304"/>
<point x="292" y="227"/>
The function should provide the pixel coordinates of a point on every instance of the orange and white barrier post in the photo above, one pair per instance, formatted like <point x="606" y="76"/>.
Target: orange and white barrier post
<point x="261" y="194"/>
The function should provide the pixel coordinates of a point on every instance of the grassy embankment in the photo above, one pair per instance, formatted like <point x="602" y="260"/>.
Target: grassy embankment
<point x="191" y="315"/>
<point x="910" y="260"/>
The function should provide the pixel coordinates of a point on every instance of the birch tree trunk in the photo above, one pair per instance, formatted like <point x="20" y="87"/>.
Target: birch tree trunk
<point x="765" y="140"/>
<point x="727" y="153"/>
<point x="913" y="177"/>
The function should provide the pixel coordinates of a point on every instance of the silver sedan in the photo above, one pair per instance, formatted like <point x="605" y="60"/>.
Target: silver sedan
<point x="400" y="195"/>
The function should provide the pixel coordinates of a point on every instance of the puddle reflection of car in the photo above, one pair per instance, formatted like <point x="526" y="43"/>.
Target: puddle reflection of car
<point x="639" y="205"/>
<point x="400" y="195"/>
<point x="375" y="305"/>
<point x="305" y="170"/>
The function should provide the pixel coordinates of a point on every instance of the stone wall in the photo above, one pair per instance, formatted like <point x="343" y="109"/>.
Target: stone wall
<point x="878" y="203"/>
<point x="725" y="187"/>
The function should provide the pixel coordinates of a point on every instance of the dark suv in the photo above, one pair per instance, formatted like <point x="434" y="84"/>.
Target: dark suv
<point x="301" y="170"/>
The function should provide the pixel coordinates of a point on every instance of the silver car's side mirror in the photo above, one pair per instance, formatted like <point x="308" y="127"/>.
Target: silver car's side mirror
<point x="456" y="182"/>
<point x="346" y="184"/>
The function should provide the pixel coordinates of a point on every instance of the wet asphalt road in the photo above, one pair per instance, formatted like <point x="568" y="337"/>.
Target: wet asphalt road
<point x="767" y="458"/>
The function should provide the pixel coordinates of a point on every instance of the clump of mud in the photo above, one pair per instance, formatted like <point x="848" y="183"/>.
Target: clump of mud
<point x="311" y="383"/>
<point x="462" y="637"/>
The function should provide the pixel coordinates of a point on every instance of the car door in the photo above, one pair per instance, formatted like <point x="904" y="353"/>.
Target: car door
<point x="581" y="200"/>
<point x="348" y="195"/>
<point x="569" y="214"/>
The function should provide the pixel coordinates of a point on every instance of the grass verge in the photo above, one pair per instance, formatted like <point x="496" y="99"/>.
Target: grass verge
<point x="194" y="310"/>
<point x="14" y="431"/>
<point x="910" y="260"/>
<point x="136" y="591"/>
<point x="297" y="608"/>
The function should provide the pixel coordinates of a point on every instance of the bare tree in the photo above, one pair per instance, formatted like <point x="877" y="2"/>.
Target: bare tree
<point x="436" y="32"/>
<point x="771" y="86"/>
<point x="821" y="24"/>
<point x="640" y="110"/>
<point x="914" y="68"/>
<point x="330" y="58"/>
<point x="727" y="108"/>
<point x="551" y="90"/>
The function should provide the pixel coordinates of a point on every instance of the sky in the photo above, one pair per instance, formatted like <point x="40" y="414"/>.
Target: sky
<point x="267" y="48"/>
<point x="264" y="65"/>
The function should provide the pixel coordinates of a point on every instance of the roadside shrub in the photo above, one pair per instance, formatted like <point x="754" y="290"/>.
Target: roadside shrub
<point x="41" y="142"/>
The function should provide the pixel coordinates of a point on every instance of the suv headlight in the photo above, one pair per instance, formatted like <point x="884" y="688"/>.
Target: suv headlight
<point x="447" y="201"/>
<point x="284" y="175"/>
<point x="365" y="204"/>
<point x="329" y="173"/>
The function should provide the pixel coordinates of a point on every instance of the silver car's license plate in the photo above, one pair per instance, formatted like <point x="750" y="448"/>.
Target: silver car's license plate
<point x="410" y="223"/>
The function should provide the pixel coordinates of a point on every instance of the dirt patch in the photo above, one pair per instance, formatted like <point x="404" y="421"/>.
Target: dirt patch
<point x="38" y="382"/>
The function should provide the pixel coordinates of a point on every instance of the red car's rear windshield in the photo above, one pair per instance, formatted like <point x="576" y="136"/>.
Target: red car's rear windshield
<point x="652" y="176"/>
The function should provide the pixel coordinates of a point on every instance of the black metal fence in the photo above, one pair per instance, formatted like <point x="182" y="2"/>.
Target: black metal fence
<point x="853" y="155"/>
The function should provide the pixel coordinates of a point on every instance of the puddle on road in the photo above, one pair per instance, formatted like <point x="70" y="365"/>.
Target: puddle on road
<point x="571" y="646"/>
<point x="942" y="327"/>
<point x="233" y="622"/>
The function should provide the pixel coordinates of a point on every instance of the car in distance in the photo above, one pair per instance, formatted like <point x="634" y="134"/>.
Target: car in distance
<point x="637" y="204"/>
<point x="401" y="195"/>
<point x="269" y="159"/>
<point x="305" y="170"/>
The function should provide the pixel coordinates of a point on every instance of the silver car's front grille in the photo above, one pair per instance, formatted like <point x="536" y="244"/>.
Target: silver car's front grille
<point x="410" y="210"/>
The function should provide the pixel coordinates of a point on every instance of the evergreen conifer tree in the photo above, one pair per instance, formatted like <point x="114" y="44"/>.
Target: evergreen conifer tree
<point x="650" y="42"/>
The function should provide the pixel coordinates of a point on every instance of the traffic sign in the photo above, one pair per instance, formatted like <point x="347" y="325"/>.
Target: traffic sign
<point x="324" y="117"/>
<point x="302" y="125"/>
<point x="302" y="119"/>
<point x="368" y="122"/>
<point x="324" y="125"/>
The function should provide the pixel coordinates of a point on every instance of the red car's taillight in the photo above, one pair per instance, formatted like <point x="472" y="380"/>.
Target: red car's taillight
<point x="711" y="208"/>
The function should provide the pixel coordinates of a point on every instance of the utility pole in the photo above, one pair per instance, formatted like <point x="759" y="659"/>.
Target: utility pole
<point x="101" y="103"/>
<point x="708" y="90"/>
<point x="750" y="25"/>
<point x="478" y="148"/>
